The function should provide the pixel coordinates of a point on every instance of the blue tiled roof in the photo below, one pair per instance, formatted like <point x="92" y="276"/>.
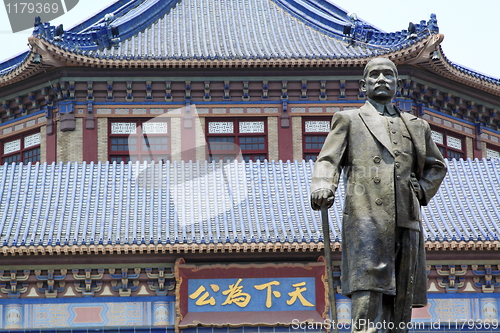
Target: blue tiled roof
<point x="196" y="203"/>
<point x="240" y="29"/>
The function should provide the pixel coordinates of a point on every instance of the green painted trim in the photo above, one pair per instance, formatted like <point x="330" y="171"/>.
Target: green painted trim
<point x="27" y="91"/>
<point x="210" y="78"/>
<point x="455" y="94"/>
<point x="84" y="266"/>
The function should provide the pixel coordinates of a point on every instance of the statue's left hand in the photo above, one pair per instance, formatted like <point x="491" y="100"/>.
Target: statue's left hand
<point x="416" y="185"/>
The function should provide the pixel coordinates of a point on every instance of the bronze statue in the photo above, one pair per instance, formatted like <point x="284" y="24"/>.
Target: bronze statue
<point x="391" y="168"/>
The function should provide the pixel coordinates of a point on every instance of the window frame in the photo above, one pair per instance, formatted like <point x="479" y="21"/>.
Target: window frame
<point x="22" y="150"/>
<point x="491" y="147"/>
<point x="139" y="135"/>
<point x="445" y="146"/>
<point x="305" y="134"/>
<point x="237" y="135"/>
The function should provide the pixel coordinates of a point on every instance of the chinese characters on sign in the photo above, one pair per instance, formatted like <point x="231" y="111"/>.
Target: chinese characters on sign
<point x="278" y="294"/>
<point x="249" y="294"/>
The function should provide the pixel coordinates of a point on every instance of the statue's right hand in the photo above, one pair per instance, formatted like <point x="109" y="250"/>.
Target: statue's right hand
<point x="322" y="197"/>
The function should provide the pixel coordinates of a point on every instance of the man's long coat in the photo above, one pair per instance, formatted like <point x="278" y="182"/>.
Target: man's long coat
<point x="359" y="144"/>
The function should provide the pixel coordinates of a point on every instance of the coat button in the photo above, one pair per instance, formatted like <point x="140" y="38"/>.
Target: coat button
<point x="376" y="180"/>
<point x="378" y="201"/>
<point x="397" y="164"/>
<point x="377" y="159"/>
<point x="397" y="152"/>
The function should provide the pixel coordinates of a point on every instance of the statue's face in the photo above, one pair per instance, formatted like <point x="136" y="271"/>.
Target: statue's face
<point x="381" y="81"/>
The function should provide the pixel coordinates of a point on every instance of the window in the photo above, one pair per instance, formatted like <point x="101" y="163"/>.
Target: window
<point x="226" y="138"/>
<point x="492" y="153"/>
<point x="315" y="131"/>
<point x="450" y="145"/>
<point x="139" y="140"/>
<point x="22" y="149"/>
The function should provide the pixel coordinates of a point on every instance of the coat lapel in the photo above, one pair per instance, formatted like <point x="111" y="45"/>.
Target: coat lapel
<point x="376" y="125"/>
<point x="417" y="134"/>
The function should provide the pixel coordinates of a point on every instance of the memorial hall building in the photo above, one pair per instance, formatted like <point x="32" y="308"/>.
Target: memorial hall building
<point x="156" y="161"/>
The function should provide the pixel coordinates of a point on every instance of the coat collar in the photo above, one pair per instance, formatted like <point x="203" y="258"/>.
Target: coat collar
<point x="417" y="134"/>
<point x="376" y="125"/>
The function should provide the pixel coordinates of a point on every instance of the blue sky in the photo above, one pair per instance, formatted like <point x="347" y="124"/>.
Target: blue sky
<point x="472" y="34"/>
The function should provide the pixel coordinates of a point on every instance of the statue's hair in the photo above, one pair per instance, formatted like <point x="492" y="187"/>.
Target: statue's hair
<point x="367" y="67"/>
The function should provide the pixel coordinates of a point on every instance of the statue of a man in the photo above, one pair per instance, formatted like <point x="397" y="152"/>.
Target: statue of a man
<point x="391" y="168"/>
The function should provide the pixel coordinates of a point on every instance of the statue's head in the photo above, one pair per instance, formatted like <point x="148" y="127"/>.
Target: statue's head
<point x="380" y="80"/>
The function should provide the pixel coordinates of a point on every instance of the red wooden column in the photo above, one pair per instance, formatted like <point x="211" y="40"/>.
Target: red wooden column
<point x="188" y="135"/>
<point x="51" y="141"/>
<point x="285" y="137"/>
<point x="89" y="139"/>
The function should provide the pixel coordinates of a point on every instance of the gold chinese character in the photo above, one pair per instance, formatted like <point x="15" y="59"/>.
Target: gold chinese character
<point x="268" y="286"/>
<point x="203" y="299"/>
<point x="236" y="296"/>
<point x="298" y="293"/>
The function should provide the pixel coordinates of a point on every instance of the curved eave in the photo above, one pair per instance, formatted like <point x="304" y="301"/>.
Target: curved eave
<point x="68" y="57"/>
<point x="23" y="71"/>
<point x="447" y="69"/>
<point x="224" y="247"/>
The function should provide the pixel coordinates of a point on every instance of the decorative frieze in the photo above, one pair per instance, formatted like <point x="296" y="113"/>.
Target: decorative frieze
<point x="86" y="282"/>
<point x="454" y="142"/>
<point x="265" y="90"/>
<point x="155" y="128"/>
<point x="6" y="106"/>
<point x="437" y="137"/>
<point x="64" y="91"/>
<point x="303" y="91"/>
<point x="90" y="91"/>
<point x="490" y="153"/>
<point x="486" y="277"/>
<point x="284" y="90"/>
<point x="32" y="140"/>
<point x="123" y="128"/>
<point x="251" y="126"/>
<point x="125" y="283"/>
<point x="342" y="89"/>
<point x="322" y="91"/>
<point x="149" y="91"/>
<point x="220" y="127"/>
<point x="451" y="279"/>
<point x="72" y="89"/>
<point x="109" y="97"/>
<point x="226" y="97"/>
<point x="129" y="97"/>
<point x="206" y="92"/>
<point x="34" y="102"/>
<point x="13" y="284"/>
<point x="317" y="126"/>
<point x="187" y="97"/>
<point x="168" y="91"/>
<point x="12" y="146"/>
<point x="246" y="96"/>
<point x="50" y="284"/>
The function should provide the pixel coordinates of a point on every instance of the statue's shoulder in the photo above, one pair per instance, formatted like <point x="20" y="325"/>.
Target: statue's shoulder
<point x="349" y="114"/>
<point x="415" y="120"/>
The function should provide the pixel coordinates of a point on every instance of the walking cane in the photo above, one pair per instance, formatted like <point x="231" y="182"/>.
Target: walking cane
<point x="329" y="270"/>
